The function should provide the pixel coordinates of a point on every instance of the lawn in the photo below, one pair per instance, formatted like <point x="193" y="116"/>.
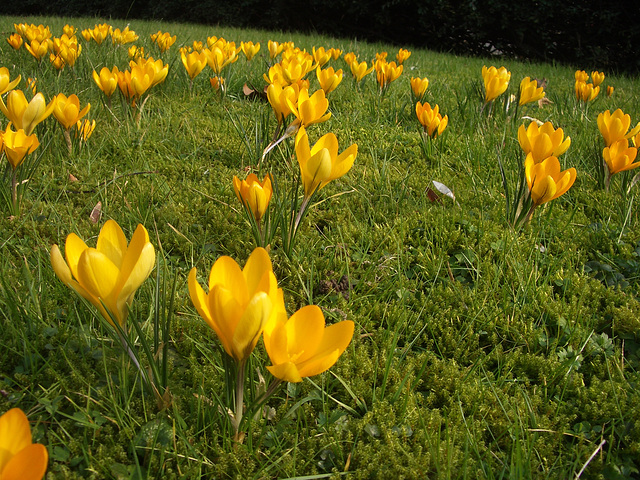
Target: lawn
<point x="485" y="344"/>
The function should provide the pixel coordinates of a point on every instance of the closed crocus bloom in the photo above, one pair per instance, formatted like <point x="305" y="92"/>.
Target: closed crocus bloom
<point x="530" y="91"/>
<point x="67" y="110"/>
<point x="109" y="275"/>
<point x="254" y="194"/>
<point x="335" y="53"/>
<point x="545" y="180"/>
<point x="281" y="98"/>
<point x="107" y="80"/>
<point x="614" y="127"/>
<point x="85" y="128"/>
<point x="239" y="302"/>
<point x="310" y="109"/>
<point x="402" y="55"/>
<point x="360" y="70"/>
<point x="20" y="458"/>
<point x="597" y="78"/>
<point x="387" y="72"/>
<point x="15" y="40"/>
<point x="328" y="78"/>
<point x="194" y="63"/>
<point x="419" y="86"/>
<point x="38" y="49"/>
<point x="303" y="346"/>
<point x="250" y="49"/>
<point x="349" y="58"/>
<point x="609" y="90"/>
<point x="321" y="56"/>
<point x="581" y="76"/>
<point x="26" y="115"/>
<point x="496" y="81"/>
<point x="165" y="41"/>
<point x="57" y="61"/>
<point x="586" y="91"/>
<point x="433" y="123"/>
<point x="69" y="30"/>
<point x="6" y="83"/>
<point x="217" y="83"/>
<point x="620" y="157"/>
<point x="542" y="142"/>
<point x="274" y="48"/>
<point x="17" y="145"/>
<point x="322" y="163"/>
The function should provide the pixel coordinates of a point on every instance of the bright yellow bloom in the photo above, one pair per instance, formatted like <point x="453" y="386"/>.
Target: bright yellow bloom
<point x="529" y="91"/>
<point x="310" y="109"/>
<point x="26" y="115"/>
<point x="135" y="52"/>
<point x="321" y="56"/>
<point x="67" y="110"/>
<point x="15" y="40"/>
<point x="586" y="91"/>
<point x="387" y="72"/>
<point x="302" y="346"/>
<point x="6" y="83"/>
<point x="328" y="78"/>
<point x="419" y="87"/>
<point x="349" y="58"/>
<point x="619" y="156"/>
<point x="496" y="81"/>
<point x="546" y="181"/>
<point x="250" y="49"/>
<point x="322" y="163"/>
<point x="20" y="459"/>
<point x="609" y="90"/>
<point x="220" y="57"/>
<point x="32" y="84"/>
<point x="359" y="70"/>
<point x="275" y="48"/>
<point x="85" y="128"/>
<point x="254" y="194"/>
<point x="217" y="83"/>
<point x="281" y="98"/>
<point x="156" y="69"/>
<point x="381" y="56"/>
<point x="36" y="32"/>
<point x="433" y="123"/>
<point x="402" y="55"/>
<point x="335" y="53"/>
<point x="614" y="127"/>
<point x="163" y="40"/>
<point x="123" y="37"/>
<point x="194" y="63"/>
<point x="69" y="30"/>
<point x="239" y="302"/>
<point x="581" y="76"/>
<point x="597" y="78"/>
<point x="39" y="49"/>
<point x="108" y="275"/>
<point x="57" y="61"/>
<point x="107" y="80"/>
<point x="542" y="142"/>
<point x="17" y="145"/>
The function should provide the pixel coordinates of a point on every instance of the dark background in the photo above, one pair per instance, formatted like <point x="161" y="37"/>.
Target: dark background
<point x="602" y="35"/>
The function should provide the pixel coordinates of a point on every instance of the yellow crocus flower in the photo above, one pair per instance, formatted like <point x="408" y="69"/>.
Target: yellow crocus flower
<point x="419" y="87"/>
<point x="545" y="180"/>
<point x="17" y="145"/>
<point x="107" y="80"/>
<point x="529" y="91"/>
<point x="109" y="275"/>
<point x="254" y="194"/>
<point x="321" y="56"/>
<point x="67" y="110"/>
<point x="321" y="163"/>
<point x="194" y="63"/>
<point x="542" y="142"/>
<point x="597" y="78"/>
<point x="581" y="76"/>
<point x="614" y="127"/>
<point x="250" y="49"/>
<point x="6" y="83"/>
<point x="431" y="119"/>
<point x="20" y="458"/>
<point x="26" y="115"/>
<point x="359" y="70"/>
<point x="402" y="55"/>
<point x="586" y="91"/>
<point x="309" y="109"/>
<point x="15" y="40"/>
<point x="274" y="48"/>
<point x="239" y="302"/>
<point x="620" y="157"/>
<point x="496" y="81"/>
<point x="281" y="98"/>
<point x="302" y="346"/>
<point x="328" y="78"/>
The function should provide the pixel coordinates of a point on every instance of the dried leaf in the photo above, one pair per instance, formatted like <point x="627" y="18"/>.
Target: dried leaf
<point x="544" y="101"/>
<point x="72" y="178"/>
<point x="442" y="188"/>
<point x="433" y="196"/>
<point x="96" y="213"/>
<point x="247" y="90"/>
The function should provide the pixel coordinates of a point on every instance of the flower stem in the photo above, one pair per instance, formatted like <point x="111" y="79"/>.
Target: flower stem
<point x="239" y="404"/>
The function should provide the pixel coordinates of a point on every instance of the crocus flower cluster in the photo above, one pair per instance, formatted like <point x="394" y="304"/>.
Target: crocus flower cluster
<point x="587" y="91"/>
<point x="618" y="155"/>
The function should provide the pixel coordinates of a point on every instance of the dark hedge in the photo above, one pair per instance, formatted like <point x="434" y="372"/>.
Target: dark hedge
<point x="588" y="34"/>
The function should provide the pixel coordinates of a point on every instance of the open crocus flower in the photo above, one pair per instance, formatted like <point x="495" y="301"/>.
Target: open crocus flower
<point x="108" y="275"/>
<point x="321" y="56"/>
<point x="530" y="91"/>
<point x="26" y="115"/>
<point x="281" y="97"/>
<point x="322" y="163"/>
<point x="249" y="49"/>
<point x="328" y="78"/>
<point x="496" y="81"/>
<point x="620" y="157"/>
<point x="107" y="80"/>
<point x="67" y="110"/>
<point x="302" y="346"/>
<point x="433" y="123"/>
<point x="387" y="72"/>
<point x="419" y="87"/>
<point x="17" y="145"/>
<point x="545" y="180"/>
<point x="15" y="40"/>
<point x="20" y="459"/>
<point x="255" y="195"/>
<point x="542" y="142"/>
<point x="402" y="55"/>
<point x="6" y="83"/>
<point x="614" y="127"/>
<point x="239" y="303"/>
<point x="581" y="76"/>
<point x="194" y="63"/>
<point x="586" y="91"/>
<point x="359" y="69"/>
<point x="310" y="109"/>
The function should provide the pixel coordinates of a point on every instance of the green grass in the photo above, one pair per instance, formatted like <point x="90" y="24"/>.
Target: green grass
<point x="480" y="351"/>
